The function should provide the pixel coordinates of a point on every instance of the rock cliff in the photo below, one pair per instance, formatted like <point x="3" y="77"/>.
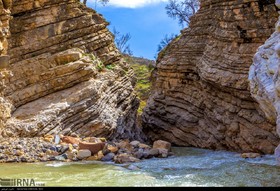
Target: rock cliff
<point x="201" y="94"/>
<point x="264" y="78"/>
<point x="5" y="16"/>
<point x="65" y="74"/>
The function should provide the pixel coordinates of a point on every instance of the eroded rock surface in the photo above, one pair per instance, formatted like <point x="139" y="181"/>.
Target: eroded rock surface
<point x="5" y="16"/>
<point x="264" y="77"/>
<point x="200" y="94"/>
<point x="59" y="82"/>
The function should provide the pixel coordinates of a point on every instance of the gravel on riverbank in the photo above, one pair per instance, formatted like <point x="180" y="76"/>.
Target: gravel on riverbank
<point x="67" y="149"/>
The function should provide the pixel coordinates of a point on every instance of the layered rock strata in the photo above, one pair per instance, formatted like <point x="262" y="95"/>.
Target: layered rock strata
<point x="5" y="16"/>
<point x="60" y="82"/>
<point x="200" y="94"/>
<point x="264" y="78"/>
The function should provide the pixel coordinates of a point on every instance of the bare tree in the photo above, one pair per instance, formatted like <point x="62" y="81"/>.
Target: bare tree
<point x="182" y="10"/>
<point x="121" y="41"/>
<point x="165" y="41"/>
<point x="103" y="2"/>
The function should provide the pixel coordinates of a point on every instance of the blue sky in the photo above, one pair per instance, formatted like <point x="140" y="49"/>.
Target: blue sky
<point x="145" y="20"/>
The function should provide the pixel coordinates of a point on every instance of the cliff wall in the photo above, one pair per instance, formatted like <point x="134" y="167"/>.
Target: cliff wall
<point x="59" y="81"/>
<point x="201" y="93"/>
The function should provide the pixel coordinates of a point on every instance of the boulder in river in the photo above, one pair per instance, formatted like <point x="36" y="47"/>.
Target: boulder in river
<point x="160" y="144"/>
<point x="250" y="155"/>
<point x="125" y="158"/>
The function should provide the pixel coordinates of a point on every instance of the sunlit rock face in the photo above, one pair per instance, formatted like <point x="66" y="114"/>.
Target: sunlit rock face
<point x="264" y="78"/>
<point x="201" y="95"/>
<point x="5" y="16"/>
<point x="59" y="81"/>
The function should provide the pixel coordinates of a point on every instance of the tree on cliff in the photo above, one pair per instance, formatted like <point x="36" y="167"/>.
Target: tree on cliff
<point x="121" y="41"/>
<point x="103" y="2"/>
<point x="182" y="10"/>
<point x="165" y="41"/>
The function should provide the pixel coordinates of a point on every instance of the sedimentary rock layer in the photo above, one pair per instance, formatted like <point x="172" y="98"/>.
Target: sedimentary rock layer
<point x="5" y="17"/>
<point x="200" y="94"/>
<point x="60" y="83"/>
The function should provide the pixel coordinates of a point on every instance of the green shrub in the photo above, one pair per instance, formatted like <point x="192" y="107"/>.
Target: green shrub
<point x="110" y="66"/>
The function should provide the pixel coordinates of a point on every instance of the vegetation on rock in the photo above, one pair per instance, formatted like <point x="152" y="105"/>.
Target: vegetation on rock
<point x="142" y="68"/>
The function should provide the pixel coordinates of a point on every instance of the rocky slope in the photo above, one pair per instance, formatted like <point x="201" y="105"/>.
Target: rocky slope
<point x="59" y="81"/>
<point x="201" y="96"/>
<point x="264" y="78"/>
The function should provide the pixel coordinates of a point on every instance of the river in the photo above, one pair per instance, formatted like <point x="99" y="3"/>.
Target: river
<point x="188" y="167"/>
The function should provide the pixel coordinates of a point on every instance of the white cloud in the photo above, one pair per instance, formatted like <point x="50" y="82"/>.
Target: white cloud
<point x="133" y="3"/>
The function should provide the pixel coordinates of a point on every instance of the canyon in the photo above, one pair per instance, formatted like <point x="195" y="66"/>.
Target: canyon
<point x="61" y="73"/>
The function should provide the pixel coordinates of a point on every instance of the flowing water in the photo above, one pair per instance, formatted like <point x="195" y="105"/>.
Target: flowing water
<point x="188" y="167"/>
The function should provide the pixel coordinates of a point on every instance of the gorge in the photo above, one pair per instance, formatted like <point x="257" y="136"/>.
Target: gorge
<point x="56" y="79"/>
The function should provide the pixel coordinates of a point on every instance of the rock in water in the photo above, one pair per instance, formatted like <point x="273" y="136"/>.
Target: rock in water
<point x="200" y="95"/>
<point x="160" y="144"/>
<point x="132" y="167"/>
<point x="250" y="155"/>
<point x="61" y="157"/>
<point x="163" y="153"/>
<point x="125" y="158"/>
<point x="153" y="152"/>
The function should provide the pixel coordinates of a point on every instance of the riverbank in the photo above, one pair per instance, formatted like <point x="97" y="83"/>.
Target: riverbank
<point x="187" y="167"/>
<point x="68" y="149"/>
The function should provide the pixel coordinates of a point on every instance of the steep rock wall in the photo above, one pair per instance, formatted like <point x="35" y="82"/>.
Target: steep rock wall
<point x="5" y="16"/>
<point x="59" y="82"/>
<point x="200" y="94"/>
<point x="264" y="78"/>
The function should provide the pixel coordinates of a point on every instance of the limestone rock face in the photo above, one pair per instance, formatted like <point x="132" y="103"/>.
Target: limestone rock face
<point x="59" y="82"/>
<point x="5" y="16"/>
<point x="264" y="77"/>
<point x="200" y="93"/>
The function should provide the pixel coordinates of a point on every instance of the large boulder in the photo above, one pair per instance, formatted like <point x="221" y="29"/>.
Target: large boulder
<point x="71" y="140"/>
<point x="93" y="147"/>
<point x="160" y="144"/>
